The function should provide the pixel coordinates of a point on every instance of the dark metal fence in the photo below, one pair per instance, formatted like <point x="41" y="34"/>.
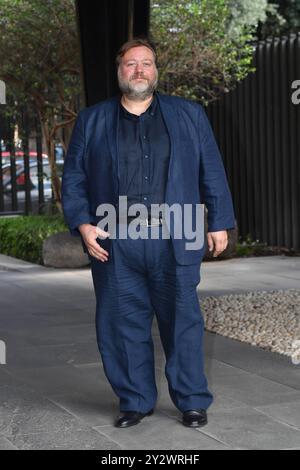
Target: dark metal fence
<point x="25" y="184"/>
<point x="258" y="130"/>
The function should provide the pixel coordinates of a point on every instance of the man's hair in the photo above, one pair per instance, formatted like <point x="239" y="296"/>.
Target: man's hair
<point x="135" y="42"/>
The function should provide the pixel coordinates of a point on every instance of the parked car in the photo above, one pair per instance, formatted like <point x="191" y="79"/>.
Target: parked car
<point x="34" y="187"/>
<point x="59" y="153"/>
<point x="19" y="155"/>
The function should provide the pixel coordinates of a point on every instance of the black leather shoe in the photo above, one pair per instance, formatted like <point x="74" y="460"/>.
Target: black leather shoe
<point x="131" y="418"/>
<point x="194" y="418"/>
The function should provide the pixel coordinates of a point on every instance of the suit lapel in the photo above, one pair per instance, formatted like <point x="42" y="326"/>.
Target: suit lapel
<point x="112" y="125"/>
<point x="170" y="118"/>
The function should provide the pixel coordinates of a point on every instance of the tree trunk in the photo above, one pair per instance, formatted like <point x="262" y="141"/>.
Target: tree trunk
<point x="55" y="181"/>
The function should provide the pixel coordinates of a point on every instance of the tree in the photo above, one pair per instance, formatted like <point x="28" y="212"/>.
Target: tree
<point x="198" y="58"/>
<point x="205" y="46"/>
<point x="252" y="13"/>
<point x="40" y="64"/>
<point x="286" y="21"/>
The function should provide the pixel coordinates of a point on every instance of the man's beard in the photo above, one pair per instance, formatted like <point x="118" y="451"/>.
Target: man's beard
<point x="138" y="91"/>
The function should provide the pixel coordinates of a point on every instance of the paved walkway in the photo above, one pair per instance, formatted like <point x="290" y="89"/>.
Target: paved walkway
<point x="54" y="393"/>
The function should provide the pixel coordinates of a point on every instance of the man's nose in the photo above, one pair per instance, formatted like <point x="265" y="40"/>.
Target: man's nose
<point x="139" y="67"/>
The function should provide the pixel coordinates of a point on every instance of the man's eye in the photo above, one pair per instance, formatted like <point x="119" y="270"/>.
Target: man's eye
<point x="145" y="64"/>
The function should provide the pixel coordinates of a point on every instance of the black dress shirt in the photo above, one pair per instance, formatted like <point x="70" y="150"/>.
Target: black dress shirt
<point x="144" y="152"/>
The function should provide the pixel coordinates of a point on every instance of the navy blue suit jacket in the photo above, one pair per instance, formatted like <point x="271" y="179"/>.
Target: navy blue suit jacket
<point x="196" y="172"/>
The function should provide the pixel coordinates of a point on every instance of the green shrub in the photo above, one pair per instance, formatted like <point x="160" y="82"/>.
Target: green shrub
<point x="22" y="237"/>
<point x="250" y="247"/>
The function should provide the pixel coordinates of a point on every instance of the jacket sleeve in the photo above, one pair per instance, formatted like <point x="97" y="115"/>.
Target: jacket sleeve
<point x="214" y="189"/>
<point x="75" y="199"/>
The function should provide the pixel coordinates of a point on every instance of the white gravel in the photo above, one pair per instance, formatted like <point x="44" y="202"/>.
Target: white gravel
<point x="268" y="319"/>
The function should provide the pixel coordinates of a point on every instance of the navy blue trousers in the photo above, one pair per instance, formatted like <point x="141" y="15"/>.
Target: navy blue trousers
<point x="141" y="278"/>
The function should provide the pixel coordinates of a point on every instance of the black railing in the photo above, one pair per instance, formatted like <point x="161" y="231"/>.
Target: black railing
<point x="258" y="130"/>
<point x="25" y="184"/>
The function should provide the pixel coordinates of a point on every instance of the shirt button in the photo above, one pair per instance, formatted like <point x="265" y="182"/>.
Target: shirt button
<point x="145" y="198"/>
<point x="144" y="137"/>
<point x="146" y="177"/>
<point x="146" y="156"/>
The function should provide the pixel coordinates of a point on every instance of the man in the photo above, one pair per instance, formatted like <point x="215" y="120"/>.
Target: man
<point x="153" y="149"/>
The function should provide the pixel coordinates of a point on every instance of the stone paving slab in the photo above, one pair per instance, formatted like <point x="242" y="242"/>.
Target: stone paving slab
<point x="55" y="394"/>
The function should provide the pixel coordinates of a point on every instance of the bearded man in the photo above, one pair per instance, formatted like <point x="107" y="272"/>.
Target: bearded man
<point x="155" y="150"/>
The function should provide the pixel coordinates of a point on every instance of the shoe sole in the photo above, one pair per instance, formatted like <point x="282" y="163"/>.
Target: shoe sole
<point x="127" y="425"/>
<point x="137" y="422"/>
<point x="194" y="425"/>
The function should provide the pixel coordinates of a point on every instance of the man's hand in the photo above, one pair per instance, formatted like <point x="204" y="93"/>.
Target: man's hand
<point x="89" y="234"/>
<point x="217" y="241"/>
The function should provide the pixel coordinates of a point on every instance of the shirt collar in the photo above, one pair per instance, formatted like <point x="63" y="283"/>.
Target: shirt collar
<point x="150" y="111"/>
